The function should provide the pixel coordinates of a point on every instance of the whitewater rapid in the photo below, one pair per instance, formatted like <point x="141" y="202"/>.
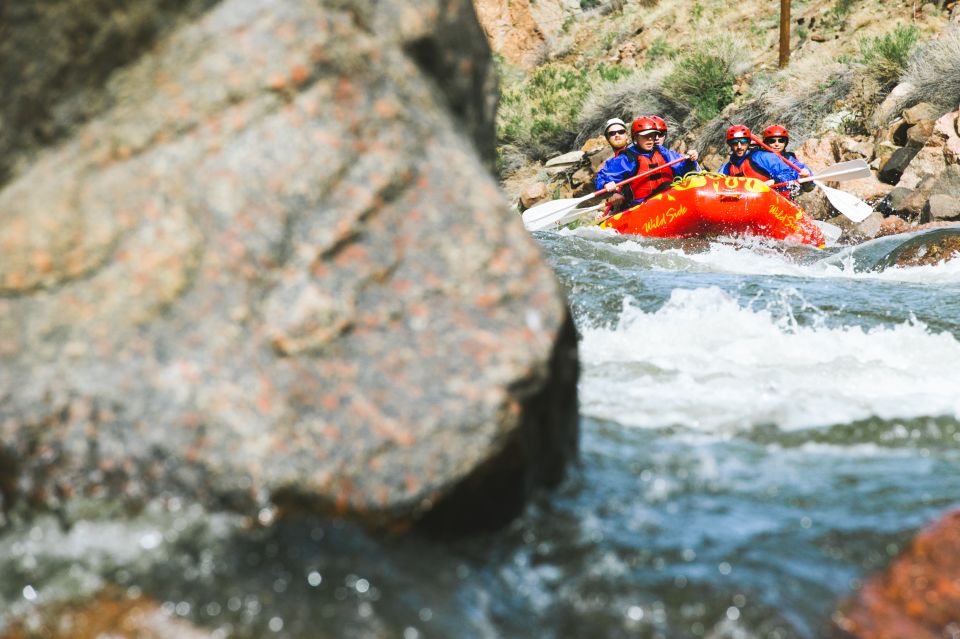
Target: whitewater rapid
<point x="705" y="362"/>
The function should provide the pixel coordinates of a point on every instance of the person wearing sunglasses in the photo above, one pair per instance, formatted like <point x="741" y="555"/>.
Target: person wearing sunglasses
<point x="661" y="129"/>
<point x="618" y="137"/>
<point x="643" y="156"/>
<point x="754" y="162"/>
<point x="615" y="131"/>
<point x="777" y="138"/>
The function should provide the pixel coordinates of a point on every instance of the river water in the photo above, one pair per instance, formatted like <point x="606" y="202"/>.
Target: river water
<point x="763" y="426"/>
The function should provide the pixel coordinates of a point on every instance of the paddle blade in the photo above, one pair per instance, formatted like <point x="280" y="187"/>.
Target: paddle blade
<point x="559" y="218"/>
<point x="850" y="170"/>
<point x="547" y="210"/>
<point x="831" y="232"/>
<point x="852" y="207"/>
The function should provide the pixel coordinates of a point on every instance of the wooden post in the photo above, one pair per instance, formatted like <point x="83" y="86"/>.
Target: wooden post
<point x="784" y="33"/>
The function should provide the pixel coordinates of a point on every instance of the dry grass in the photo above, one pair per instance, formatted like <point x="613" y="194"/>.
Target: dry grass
<point x="639" y="94"/>
<point x="934" y="72"/>
<point x="798" y="103"/>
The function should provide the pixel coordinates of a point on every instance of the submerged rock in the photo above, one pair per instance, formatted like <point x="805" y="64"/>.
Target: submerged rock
<point x="111" y="614"/>
<point x="918" y="596"/>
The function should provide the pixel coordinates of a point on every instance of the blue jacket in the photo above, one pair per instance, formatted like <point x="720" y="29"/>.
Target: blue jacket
<point x="765" y="163"/>
<point x="790" y="155"/>
<point x="623" y="165"/>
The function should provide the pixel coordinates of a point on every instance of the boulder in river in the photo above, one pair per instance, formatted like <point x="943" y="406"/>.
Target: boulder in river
<point x="271" y="268"/>
<point x="917" y="596"/>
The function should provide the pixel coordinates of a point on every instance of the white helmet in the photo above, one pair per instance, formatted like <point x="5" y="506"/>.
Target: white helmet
<point x="613" y="121"/>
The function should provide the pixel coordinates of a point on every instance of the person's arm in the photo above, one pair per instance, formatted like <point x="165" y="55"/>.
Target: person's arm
<point x="805" y="171"/>
<point x="725" y="169"/>
<point x="775" y="166"/>
<point x="690" y="166"/>
<point x="616" y="169"/>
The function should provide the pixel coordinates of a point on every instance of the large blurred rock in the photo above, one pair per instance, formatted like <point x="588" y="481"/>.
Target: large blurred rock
<point x="917" y="597"/>
<point x="272" y="268"/>
<point x="55" y="57"/>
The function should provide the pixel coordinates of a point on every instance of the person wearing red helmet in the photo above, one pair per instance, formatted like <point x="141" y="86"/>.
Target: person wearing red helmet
<point x="642" y="156"/>
<point x="661" y="128"/>
<point x="753" y="162"/>
<point x="777" y="138"/>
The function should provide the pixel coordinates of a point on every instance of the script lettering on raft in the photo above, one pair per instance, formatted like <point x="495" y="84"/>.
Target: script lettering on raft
<point x="664" y="218"/>
<point x="784" y="217"/>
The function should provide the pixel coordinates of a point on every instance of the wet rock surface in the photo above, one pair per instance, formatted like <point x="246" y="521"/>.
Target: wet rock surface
<point x="918" y="596"/>
<point x="112" y="614"/>
<point x="273" y="269"/>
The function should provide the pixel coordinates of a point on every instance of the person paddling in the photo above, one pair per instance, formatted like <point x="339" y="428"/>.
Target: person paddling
<point x="661" y="129"/>
<point x="777" y="138"/>
<point x="754" y="162"/>
<point x="615" y="131"/>
<point x="642" y="156"/>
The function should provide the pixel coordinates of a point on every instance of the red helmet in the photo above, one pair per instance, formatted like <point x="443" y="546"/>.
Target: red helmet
<point x="738" y="132"/>
<point x="660" y="122"/>
<point x="643" y="124"/>
<point x="775" y="131"/>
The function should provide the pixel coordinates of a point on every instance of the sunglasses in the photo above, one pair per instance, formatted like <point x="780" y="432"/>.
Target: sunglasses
<point x="610" y="134"/>
<point x="776" y="140"/>
<point x="739" y="142"/>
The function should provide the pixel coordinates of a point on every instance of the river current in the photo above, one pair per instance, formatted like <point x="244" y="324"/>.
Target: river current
<point x="763" y="426"/>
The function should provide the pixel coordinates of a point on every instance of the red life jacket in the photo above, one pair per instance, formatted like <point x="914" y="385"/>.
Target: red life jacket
<point x="747" y="169"/>
<point x="653" y="183"/>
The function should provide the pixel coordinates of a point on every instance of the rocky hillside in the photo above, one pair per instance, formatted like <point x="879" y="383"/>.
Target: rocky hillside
<point x="864" y="80"/>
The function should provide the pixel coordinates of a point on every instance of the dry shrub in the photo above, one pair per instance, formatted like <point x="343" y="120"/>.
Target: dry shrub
<point x="636" y="95"/>
<point x="799" y="104"/>
<point x="934" y="73"/>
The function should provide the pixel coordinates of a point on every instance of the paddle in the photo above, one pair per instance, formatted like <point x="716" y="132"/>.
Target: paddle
<point x="575" y="214"/>
<point x="549" y="214"/>
<point x="849" y="170"/>
<point x="785" y="160"/>
<point x="850" y="206"/>
<point x="831" y="232"/>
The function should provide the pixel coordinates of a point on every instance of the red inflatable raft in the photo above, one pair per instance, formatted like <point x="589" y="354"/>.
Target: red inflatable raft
<point x="713" y="204"/>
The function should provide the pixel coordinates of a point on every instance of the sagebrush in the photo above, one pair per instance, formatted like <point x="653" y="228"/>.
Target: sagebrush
<point x="933" y="73"/>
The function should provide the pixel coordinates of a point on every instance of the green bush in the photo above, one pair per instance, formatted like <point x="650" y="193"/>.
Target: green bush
<point x="659" y="49"/>
<point x="838" y="12"/>
<point x="885" y="57"/>
<point x="704" y="78"/>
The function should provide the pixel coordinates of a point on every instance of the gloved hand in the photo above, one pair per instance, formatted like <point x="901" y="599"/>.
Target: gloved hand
<point x="806" y="187"/>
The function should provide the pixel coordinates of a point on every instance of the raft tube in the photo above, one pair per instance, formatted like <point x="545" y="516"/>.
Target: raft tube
<point x="702" y="204"/>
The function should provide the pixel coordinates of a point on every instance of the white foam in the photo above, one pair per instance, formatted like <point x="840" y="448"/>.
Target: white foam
<point x="704" y="362"/>
<point x="759" y="256"/>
